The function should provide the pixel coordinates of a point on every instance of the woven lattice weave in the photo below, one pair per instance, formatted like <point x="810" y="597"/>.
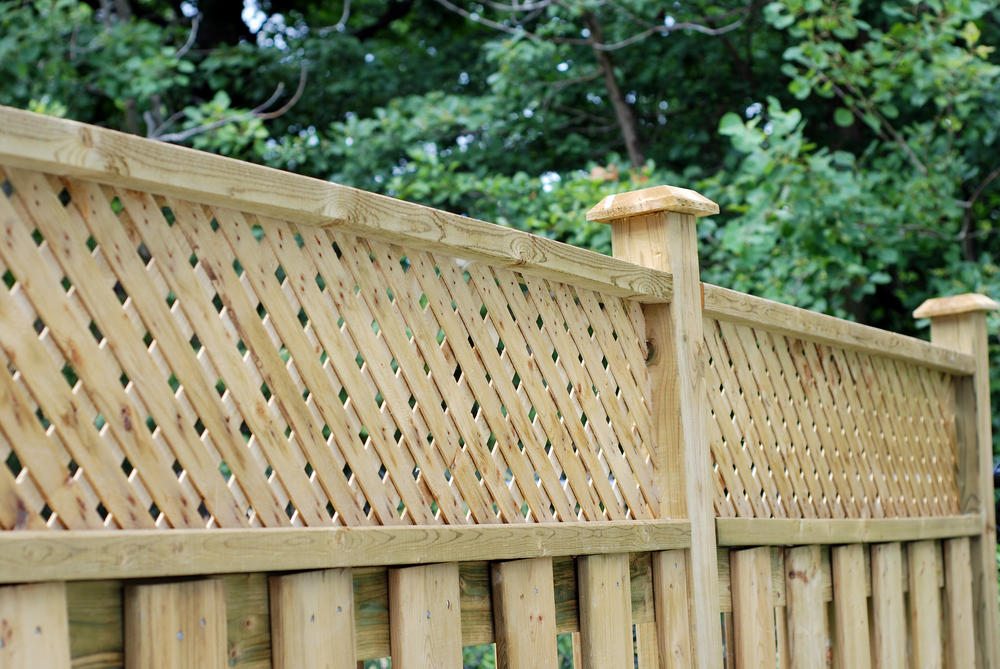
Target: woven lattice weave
<point x="801" y="430"/>
<point x="174" y="365"/>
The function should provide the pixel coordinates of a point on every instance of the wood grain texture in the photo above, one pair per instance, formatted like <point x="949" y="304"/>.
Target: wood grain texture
<point x="312" y="620"/>
<point x="673" y="628"/>
<point x="851" y="605"/>
<point x="888" y="608"/>
<point x="524" y="614"/>
<point x="753" y="612"/>
<point x="74" y="149"/>
<point x="967" y="332"/>
<point x="39" y="556"/>
<point x="35" y="629"/>
<point x="176" y="625"/>
<point x="801" y="532"/>
<point x="925" y="606"/>
<point x="959" y="623"/>
<point x="649" y="201"/>
<point x="804" y="590"/>
<point x="647" y="653"/>
<point x="605" y="610"/>
<point x="954" y="305"/>
<point x="728" y="305"/>
<point x="425" y="624"/>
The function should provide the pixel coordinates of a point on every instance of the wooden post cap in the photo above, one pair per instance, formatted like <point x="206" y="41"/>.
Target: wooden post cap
<point x="650" y="200"/>
<point x="957" y="304"/>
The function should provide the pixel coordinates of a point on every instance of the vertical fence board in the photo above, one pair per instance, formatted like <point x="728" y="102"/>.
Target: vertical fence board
<point x="753" y="608"/>
<point x="925" y="606"/>
<point x="670" y="597"/>
<point x="312" y="620"/>
<point x="176" y="625"/>
<point x="425" y="620"/>
<point x="605" y="610"/>
<point x="34" y="628"/>
<point x="851" y="606"/>
<point x="958" y="590"/>
<point x="524" y="614"/>
<point x="888" y="611"/>
<point x="646" y="650"/>
<point x="804" y="591"/>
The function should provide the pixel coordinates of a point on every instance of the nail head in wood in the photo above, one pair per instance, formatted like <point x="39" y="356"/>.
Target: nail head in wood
<point x="954" y="305"/>
<point x="651" y="200"/>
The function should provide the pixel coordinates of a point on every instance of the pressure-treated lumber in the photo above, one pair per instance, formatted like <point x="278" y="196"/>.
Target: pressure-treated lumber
<point x="63" y="147"/>
<point x="729" y="305"/>
<point x="962" y="325"/>
<point x="673" y="629"/>
<point x="851" y="605"/>
<point x="34" y="630"/>
<point x="888" y="609"/>
<point x="925" y="606"/>
<point x="312" y="620"/>
<point x="753" y="611"/>
<point x="955" y="305"/>
<point x="176" y="625"/>
<point x="524" y="614"/>
<point x="802" y="532"/>
<point x="425" y="619"/>
<point x="667" y="240"/>
<point x="605" y="610"/>
<point x="650" y="201"/>
<point x="804" y="590"/>
<point x="959" y="623"/>
<point x="41" y="556"/>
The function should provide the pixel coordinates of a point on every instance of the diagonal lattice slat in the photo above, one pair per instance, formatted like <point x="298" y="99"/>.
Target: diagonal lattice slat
<point x="168" y="364"/>
<point x="802" y="430"/>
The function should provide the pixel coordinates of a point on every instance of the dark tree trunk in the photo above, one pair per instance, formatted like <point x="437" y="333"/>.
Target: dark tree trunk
<point x="623" y="112"/>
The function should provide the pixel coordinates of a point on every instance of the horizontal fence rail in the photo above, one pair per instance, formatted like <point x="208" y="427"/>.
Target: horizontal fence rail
<point x="252" y="419"/>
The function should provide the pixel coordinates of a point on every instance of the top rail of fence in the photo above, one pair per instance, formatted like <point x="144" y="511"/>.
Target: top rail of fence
<point x="68" y="148"/>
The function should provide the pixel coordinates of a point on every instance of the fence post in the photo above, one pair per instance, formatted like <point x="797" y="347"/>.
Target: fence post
<point x="959" y="323"/>
<point x="656" y="228"/>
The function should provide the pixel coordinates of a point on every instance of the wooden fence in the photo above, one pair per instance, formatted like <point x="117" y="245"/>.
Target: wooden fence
<point x="252" y="419"/>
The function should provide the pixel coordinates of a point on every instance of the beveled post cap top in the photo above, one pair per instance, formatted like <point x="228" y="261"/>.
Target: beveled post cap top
<point x="651" y="200"/>
<point x="954" y="305"/>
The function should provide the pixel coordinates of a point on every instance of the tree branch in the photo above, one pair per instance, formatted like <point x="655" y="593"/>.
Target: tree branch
<point x="255" y="113"/>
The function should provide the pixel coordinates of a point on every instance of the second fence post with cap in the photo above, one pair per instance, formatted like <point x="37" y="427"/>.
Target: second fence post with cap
<point x="657" y="228"/>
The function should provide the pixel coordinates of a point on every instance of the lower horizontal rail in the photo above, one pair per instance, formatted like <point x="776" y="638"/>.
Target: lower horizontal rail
<point x="793" y="532"/>
<point x="75" y="556"/>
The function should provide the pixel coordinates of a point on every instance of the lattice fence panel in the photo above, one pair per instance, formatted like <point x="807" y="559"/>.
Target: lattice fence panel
<point x="168" y="364"/>
<point x="801" y="430"/>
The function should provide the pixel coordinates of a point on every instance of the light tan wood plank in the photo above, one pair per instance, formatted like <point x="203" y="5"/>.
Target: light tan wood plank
<point x="425" y="617"/>
<point x="68" y="148"/>
<point x="176" y="625"/>
<point x="115" y="554"/>
<point x="312" y="620"/>
<point x="646" y="650"/>
<point x="524" y="613"/>
<point x="804" y="590"/>
<point x="605" y="610"/>
<point x="35" y="627"/>
<point x="925" y="606"/>
<point x="781" y="636"/>
<point x="853" y="649"/>
<point x="888" y="612"/>
<point x="789" y="532"/>
<point x="734" y="307"/>
<point x="960" y="627"/>
<point x="673" y="629"/>
<point x="753" y="611"/>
